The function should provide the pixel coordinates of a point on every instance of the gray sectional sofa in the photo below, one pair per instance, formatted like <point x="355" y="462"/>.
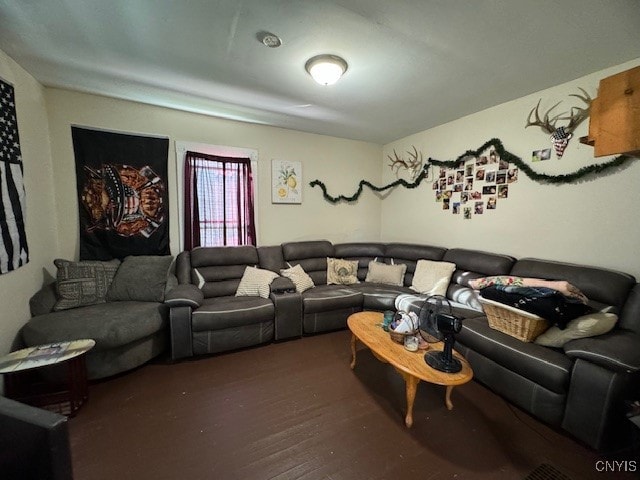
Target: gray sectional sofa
<point x="581" y="388"/>
<point x="125" y="315"/>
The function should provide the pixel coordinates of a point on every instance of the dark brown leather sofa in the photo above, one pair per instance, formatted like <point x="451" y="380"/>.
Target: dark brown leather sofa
<point x="581" y="388"/>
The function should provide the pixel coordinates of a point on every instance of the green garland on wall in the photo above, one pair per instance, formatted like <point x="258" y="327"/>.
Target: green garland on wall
<point x="504" y="154"/>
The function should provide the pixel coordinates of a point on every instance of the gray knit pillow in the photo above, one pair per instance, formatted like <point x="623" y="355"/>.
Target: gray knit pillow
<point x="141" y="278"/>
<point x="83" y="283"/>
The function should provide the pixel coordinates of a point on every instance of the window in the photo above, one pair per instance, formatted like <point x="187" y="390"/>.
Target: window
<point x="218" y="201"/>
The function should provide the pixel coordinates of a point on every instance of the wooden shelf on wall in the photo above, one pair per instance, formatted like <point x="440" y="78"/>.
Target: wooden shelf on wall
<point x="614" y="123"/>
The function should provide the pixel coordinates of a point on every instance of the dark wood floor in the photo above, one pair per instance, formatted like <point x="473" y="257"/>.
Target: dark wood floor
<point x="295" y="410"/>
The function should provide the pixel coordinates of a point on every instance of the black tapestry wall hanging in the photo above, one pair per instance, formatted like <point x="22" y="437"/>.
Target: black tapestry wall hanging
<point x="14" y="252"/>
<point x="122" y="194"/>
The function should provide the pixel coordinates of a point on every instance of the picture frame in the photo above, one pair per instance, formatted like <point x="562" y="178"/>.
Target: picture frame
<point x="286" y="182"/>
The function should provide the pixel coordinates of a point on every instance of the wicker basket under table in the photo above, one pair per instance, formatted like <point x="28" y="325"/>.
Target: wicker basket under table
<point x="522" y="325"/>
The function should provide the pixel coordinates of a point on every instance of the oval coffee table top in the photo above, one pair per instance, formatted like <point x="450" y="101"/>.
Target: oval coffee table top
<point x="367" y="327"/>
<point x="43" y="355"/>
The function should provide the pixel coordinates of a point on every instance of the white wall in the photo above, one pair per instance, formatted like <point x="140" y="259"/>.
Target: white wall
<point x="594" y="221"/>
<point x="339" y="163"/>
<point x="16" y="287"/>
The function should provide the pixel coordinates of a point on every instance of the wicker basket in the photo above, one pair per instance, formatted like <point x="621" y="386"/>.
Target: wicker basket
<point x="522" y="325"/>
<point x="399" y="337"/>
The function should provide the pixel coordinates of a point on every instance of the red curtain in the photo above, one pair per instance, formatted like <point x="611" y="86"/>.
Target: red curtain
<point x="218" y="201"/>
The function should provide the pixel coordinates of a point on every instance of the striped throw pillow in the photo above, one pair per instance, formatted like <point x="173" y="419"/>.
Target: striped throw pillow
<point x="299" y="277"/>
<point x="255" y="282"/>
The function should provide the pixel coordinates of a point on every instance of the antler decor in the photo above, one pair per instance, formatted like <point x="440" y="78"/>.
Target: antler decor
<point x="560" y="136"/>
<point x="616" y="163"/>
<point x="413" y="165"/>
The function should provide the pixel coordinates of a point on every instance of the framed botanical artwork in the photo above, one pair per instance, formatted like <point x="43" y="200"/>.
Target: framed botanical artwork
<point x="286" y="181"/>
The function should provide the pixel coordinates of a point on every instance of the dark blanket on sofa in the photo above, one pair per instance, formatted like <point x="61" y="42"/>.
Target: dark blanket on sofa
<point x="545" y="302"/>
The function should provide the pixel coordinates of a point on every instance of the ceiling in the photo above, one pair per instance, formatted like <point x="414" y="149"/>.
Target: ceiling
<point x="413" y="64"/>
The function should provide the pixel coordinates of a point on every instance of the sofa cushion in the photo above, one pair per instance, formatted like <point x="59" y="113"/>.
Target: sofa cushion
<point x="216" y="270"/>
<point x="323" y="298"/>
<point x="83" y="283"/>
<point x="379" y="296"/>
<point x="255" y="282"/>
<point x="110" y="324"/>
<point x="602" y="287"/>
<point x="589" y="325"/>
<point x="230" y="312"/>
<point x="342" y="272"/>
<point x="548" y="367"/>
<point x="312" y="256"/>
<point x="141" y="278"/>
<point x="271" y="258"/>
<point x="363" y="252"/>
<point x="409" y="254"/>
<point x="484" y="263"/>
<point x="383" y="273"/>
<point x="432" y="278"/>
<point x="299" y="277"/>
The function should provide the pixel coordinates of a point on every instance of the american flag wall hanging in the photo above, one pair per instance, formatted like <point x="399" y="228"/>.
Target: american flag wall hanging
<point x="14" y="252"/>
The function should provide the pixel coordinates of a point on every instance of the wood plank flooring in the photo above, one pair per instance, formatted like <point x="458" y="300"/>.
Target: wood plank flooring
<point x="295" y="410"/>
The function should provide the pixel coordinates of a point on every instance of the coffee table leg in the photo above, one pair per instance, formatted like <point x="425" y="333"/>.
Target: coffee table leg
<point x="354" y="339"/>
<point x="447" y="397"/>
<point x="411" y="389"/>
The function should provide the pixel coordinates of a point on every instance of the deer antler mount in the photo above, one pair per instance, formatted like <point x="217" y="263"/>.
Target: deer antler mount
<point x="561" y="135"/>
<point x="413" y="165"/>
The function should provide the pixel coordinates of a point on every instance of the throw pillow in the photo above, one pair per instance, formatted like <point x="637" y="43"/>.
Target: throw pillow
<point x="141" y="278"/>
<point x="432" y="278"/>
<point x="586" y="326"/>
<point x="383" y="273"/>
<point x="255" y="282"/>
<point x="299" y="277"/>
<point x="83" y="283"/>
<point x="342" y="272"/>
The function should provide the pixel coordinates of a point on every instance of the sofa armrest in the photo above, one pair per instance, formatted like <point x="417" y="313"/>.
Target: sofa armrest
<point x="288" y="318"/>
<point x="618" y="350"/>
<point x="282" y="285"/>
<point x="185" y="295"/>
<point x="43" y="301"/>
<point x="34" y="443"/>
<point x="181" y="334"/>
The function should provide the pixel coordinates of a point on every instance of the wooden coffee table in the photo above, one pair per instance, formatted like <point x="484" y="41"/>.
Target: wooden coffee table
<point x="366" y="327"/>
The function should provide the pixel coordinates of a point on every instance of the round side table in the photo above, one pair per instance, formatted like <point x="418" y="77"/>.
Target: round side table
<point x="65" y="397"/>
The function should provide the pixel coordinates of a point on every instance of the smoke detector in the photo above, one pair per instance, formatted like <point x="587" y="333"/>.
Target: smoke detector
<point x="269" y="39"/>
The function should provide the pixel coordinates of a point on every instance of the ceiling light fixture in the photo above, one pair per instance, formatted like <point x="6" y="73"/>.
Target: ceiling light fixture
<point x="326" y="69"/>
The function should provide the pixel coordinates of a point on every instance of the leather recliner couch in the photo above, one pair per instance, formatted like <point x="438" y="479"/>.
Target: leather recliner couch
<point x="581" y="388"/>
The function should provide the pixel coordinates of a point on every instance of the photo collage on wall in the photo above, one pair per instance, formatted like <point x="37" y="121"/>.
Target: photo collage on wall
<point x="476" y="185"/>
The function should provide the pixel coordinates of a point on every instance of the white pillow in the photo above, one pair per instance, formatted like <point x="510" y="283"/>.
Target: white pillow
<point x="299" y="277"/>
<point x="432" y="278"/>
<point x="383" y="273"/>
<point x="586" y="326"/>
<point x="255" y="282"/>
